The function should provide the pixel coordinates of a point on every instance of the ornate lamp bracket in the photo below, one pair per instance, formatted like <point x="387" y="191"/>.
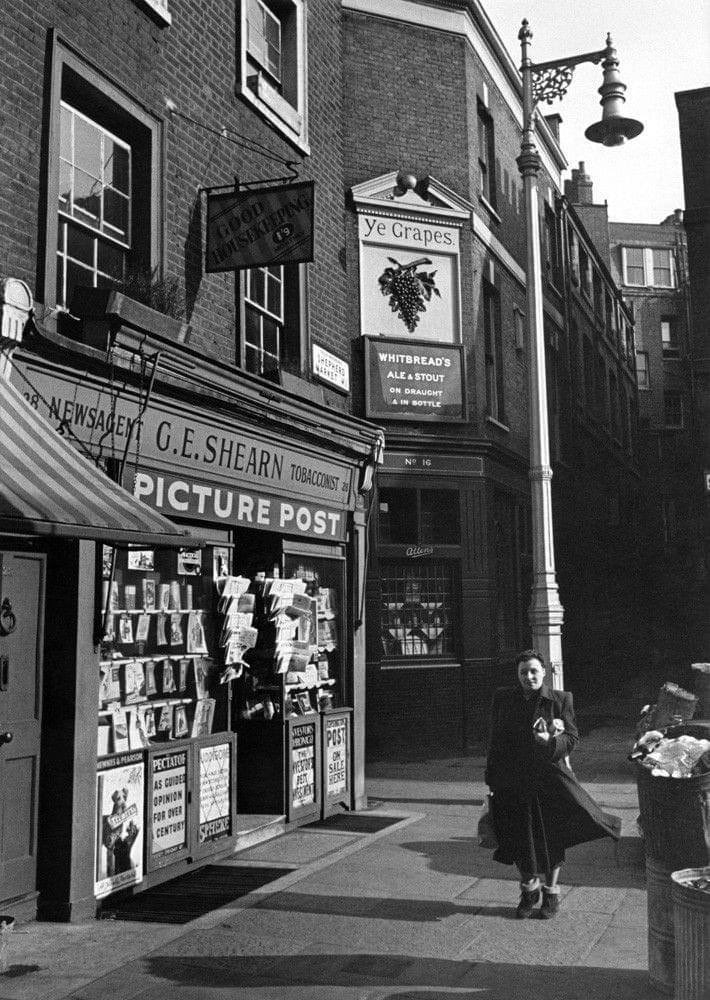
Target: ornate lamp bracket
<point x="551" y="80"/>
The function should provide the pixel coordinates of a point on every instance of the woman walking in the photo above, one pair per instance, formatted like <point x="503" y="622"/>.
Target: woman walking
<point x="538" y="807"/>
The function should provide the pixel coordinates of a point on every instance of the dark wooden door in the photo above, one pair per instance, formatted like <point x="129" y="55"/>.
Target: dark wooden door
<point x="22" y="577"/>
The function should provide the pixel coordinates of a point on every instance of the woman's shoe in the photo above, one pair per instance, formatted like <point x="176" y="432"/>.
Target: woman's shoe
<point x="550" y="902"/>
<point x="529" y="898"/>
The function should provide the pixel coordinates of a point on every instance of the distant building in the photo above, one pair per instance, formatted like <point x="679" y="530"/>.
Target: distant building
<point x="649" y="264"/>
<point x="694" y="118"/>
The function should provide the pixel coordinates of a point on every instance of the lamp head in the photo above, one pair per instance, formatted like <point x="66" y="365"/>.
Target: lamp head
<point x="613" y="129"/>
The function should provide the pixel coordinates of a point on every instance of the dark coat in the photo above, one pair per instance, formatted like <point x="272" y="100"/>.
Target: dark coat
<point x="529" y="779"/>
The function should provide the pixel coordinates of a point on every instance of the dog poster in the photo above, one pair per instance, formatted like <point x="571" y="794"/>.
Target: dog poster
<point x="120" y="791"/>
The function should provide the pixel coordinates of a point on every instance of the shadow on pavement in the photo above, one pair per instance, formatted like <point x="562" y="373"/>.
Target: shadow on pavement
<point x="402" y="976"/>
<point x="600" y="863"/>
<point x="409" y="910"/>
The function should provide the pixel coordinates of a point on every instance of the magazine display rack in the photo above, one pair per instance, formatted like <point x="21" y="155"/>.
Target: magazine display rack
<point x="293" y="675"/>
<point x="163" y="718"/>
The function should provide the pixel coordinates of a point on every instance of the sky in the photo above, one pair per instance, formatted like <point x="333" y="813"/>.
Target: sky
<point x="663" y="47"/>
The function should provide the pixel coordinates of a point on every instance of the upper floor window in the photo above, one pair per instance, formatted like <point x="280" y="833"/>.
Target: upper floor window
<point x="273" y="64"/>
<point x="585" y="272"/>
<point x="669" y="339"/>
<point x="271" y="322"/>
<point x="486" y="155"/>
<point x="648" y="266"/>
<point x="642" y="375"/>
<point x="673" y="409"/>
<point x="551" y="247"/>
<point x="598" y="294"/>
<point x="94" y="202"/>
<point x="495" y="382"/>
<point x="103" y="188"/>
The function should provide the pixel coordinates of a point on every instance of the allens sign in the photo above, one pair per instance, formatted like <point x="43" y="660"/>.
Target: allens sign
<point x="259" y="226"/>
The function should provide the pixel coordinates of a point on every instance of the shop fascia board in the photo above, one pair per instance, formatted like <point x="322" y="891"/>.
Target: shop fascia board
<point x="235" y="393"/>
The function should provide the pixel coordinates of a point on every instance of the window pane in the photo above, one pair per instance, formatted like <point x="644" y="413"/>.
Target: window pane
<point x="252" y="360"/>
<point x="87" y="190"/>
<point x="418" y="616"/>
<point x="65" y="124"/>
<point x="60" y="280"/>
<point x="440" y="520"/>
<point x="111" y="259"/>
<point x="80" y="245"/>
<point x="270" y="335"/>
<point x="256" y="286"/>
<point x="87" y="147"/>
<point x="64" y="184"/>
<point x="274" y="284"/>
<point x="634" y="266"/>
<point x="77" y="275"/>
<point x="116" y="165"/>
<point x="116" y="213"/>
<point x="398" y="516"/>
<point x="252" y="328"/>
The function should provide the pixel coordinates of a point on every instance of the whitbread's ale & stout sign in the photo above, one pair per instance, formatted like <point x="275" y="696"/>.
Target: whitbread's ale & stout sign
<point x="259" y="226"/>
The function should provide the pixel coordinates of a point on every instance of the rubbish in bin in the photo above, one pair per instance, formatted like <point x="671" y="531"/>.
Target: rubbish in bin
<point x="672" y="757"/>
<point x="6" y="926"/>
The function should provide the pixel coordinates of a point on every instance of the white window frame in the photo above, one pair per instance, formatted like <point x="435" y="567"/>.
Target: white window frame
<point x="258" y="88"/>
<point x="255" y="51"/>
<point x="261" y="310"/>
<point x="648" y="269"/>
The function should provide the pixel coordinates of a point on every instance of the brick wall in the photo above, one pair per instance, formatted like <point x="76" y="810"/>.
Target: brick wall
<point x="194" y="62"/>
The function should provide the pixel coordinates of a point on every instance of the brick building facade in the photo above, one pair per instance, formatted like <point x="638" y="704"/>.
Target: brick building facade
<point x="432" y="101"/>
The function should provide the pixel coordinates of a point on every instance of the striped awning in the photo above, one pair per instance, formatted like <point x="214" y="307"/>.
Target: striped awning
<point x="48" y="488"/>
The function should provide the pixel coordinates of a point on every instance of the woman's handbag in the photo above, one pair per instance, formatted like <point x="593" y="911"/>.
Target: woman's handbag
<point x="486" y="831"/>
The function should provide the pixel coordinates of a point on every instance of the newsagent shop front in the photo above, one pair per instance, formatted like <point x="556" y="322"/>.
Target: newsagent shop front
<point x="219" y="681"/>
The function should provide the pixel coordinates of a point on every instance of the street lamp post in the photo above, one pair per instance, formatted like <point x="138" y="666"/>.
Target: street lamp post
<point x="545" y="82"/>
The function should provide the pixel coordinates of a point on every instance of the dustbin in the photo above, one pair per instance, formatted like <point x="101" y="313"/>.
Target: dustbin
<point x="691" y="917"/>
<point x="675" y="816"/>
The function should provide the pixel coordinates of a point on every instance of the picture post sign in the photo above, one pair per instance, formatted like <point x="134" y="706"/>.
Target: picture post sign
<point x="414" y="380"/>
<point x="258" y="226"/>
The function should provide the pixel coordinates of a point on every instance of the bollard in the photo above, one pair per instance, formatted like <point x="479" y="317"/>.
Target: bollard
<point x="6" y="926"/>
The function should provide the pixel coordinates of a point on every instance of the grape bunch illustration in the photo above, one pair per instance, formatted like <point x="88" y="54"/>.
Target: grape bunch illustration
<point x="408" y="289"/>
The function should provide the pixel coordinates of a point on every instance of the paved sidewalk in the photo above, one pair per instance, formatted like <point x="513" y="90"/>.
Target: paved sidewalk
<point x="415" y="911"/>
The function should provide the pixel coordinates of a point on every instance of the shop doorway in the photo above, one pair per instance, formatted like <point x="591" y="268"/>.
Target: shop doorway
<point x="22" y="584"/>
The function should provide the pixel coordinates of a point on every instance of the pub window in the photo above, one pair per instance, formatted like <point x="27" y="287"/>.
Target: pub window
<point x="273" y="63"/>
<point x="103" y="189"/>
<point x="418" y="516"/>
<point x="271" y="320"/>
<point x="486" y="156"/>
<point x="495" y="395"/>
<point x="418" y="609"/>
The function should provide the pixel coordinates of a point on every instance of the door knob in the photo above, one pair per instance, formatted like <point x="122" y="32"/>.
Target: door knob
<point x="5" y="738"/>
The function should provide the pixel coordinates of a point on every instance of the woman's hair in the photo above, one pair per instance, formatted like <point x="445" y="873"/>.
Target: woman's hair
<point x="529" y="654"/>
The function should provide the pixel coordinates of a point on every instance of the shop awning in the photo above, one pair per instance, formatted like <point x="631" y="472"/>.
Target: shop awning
<point x="48" y="488"/>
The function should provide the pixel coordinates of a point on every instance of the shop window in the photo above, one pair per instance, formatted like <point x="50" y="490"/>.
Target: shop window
<point x="642" y="372"/>
<point x="418" y="618"/>
<point x="271" y="320"/>
<point x="103" y="187"/>
<point x="495" y="381"/>
<point x="158" y="679"/>
<point x="673" y="416"/>
<point x="273" y="63"/>
<point x="669" y="338"/>
<point x="408" y="516"/>
<point x="486" y="156"/>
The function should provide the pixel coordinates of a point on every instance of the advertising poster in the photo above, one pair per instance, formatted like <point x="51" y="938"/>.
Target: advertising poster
<point x="336" y="757"/>
<point x="120" y="789"/>
<point x="168" y="803"/>
<point x="215" y="792"/>
<point x="409" y="381"/>
<point x="303" y="766"/>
